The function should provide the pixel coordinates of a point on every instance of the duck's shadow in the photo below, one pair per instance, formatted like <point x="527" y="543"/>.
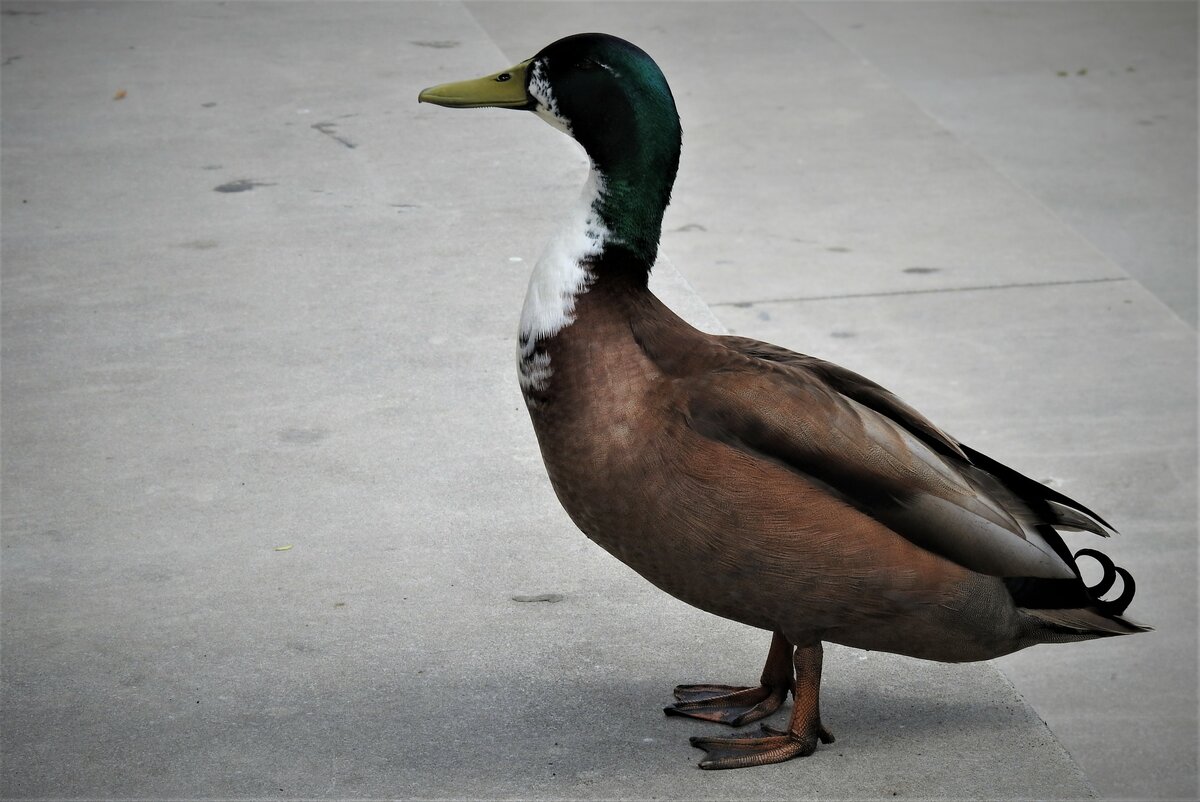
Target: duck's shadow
<point x="591" y="724"/>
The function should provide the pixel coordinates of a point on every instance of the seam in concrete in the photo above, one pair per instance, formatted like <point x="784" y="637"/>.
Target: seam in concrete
<point x="1016" y="285"/>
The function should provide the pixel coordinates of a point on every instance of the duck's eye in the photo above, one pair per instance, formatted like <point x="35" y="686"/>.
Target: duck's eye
<point x="504" y="76"/>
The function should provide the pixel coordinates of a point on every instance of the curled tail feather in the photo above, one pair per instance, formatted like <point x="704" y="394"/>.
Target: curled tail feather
<point x="1111" y="571"/>
<point x="1101" y="618"/>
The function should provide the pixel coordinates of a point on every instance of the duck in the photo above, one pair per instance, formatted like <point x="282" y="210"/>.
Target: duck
<point x="765" y="486"/>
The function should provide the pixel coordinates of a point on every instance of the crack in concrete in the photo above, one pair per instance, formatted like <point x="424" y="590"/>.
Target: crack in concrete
<point x="884" y="294"/>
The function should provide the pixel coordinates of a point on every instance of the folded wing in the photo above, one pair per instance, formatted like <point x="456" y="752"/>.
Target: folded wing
<point x="863" y="445"/>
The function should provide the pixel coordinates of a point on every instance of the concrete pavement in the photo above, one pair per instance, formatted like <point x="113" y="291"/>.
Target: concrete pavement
<point x="269" y="493"/>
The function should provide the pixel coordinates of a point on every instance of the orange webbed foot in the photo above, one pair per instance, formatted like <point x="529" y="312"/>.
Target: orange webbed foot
<point x="736" y="705"/>
<point x="727" y="704"/>
<point x="773" y="746"/>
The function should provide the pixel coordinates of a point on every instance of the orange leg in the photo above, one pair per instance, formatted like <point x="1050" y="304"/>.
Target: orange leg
<point x="774" y="746"/>
<point x="736" y="705"/>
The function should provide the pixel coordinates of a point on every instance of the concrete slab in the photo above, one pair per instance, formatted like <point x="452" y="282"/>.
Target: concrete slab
<point x="268" y="489"/>
<point x="1089" y="106"/>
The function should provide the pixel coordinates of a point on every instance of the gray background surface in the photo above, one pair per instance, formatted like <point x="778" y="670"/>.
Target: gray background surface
<point x="264" y="300"/>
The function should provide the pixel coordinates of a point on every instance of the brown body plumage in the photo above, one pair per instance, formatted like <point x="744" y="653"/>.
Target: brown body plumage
<point x="648" y="430"/>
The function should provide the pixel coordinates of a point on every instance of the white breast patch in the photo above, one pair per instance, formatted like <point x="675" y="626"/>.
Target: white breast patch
<point x="559" y="277"/>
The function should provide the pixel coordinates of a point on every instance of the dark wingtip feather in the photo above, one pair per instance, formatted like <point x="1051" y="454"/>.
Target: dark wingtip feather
<point x="1035" y="492"/>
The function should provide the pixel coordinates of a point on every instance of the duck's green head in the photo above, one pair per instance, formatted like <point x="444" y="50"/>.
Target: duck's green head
<point x="613" y="99"/>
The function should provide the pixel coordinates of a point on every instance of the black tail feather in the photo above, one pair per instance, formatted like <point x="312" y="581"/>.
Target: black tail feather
<point x="1111" y="572"/>
<point x="1033" y="492"/>
<point x="1037" y="593"/>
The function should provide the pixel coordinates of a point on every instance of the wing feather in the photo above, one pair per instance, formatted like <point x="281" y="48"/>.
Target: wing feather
<point x="794" y="417"/>
<point x="1016" y="490"/>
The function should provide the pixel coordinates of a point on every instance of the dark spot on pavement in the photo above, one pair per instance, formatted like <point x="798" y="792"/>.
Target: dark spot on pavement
<point x="539" y="597"/>
<point x="921" y="270"/>
<point x="439" y="44"/>
<point x="241" y="185"/>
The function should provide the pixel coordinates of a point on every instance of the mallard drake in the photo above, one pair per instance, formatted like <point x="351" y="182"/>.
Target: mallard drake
<point x="765" y="486"/>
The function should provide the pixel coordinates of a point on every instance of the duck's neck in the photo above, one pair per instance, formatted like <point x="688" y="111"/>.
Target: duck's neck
<point x="610" y="235"/>
<point x="634" y="195"/>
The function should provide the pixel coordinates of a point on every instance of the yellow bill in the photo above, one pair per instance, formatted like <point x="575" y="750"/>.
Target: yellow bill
<point x="504" y="90"/>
